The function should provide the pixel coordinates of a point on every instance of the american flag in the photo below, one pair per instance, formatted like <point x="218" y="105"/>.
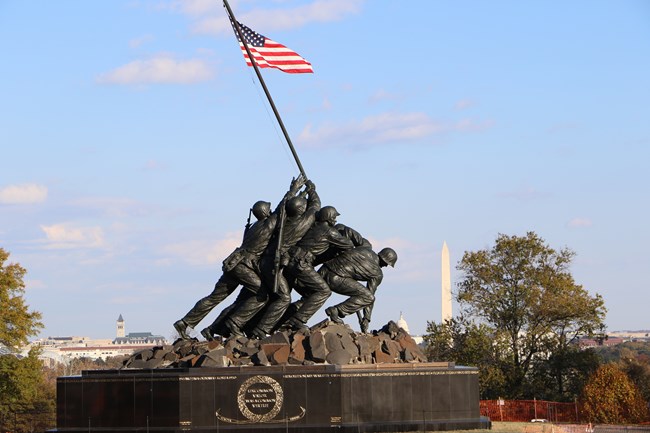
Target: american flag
<point x="270" y="54"/>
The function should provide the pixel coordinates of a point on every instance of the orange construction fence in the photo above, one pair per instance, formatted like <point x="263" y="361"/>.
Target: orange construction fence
<point x="527" y="410"/>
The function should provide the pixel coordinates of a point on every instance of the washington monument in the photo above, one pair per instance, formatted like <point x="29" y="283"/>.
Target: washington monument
<point x="446" y="284"/>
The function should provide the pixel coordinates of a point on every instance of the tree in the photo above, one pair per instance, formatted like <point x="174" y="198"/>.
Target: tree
<point x="562" y="375"/>
<point x="611" y="397"/>
<point x="26" y="399"/>
<point x="522" y="289"/>
<point x="469" y="344"/>
<point x="24" y="395"/>
<point x="637" y="367"/>
<point x="17" y="322"/>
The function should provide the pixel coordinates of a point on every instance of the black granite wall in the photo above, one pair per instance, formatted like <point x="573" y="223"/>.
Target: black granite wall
<point x="404" y="397"/>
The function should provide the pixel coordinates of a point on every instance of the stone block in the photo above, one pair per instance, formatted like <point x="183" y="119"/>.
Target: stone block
<point x="318" y="350"/>
<point x="381" y="357"/>
<point x="260" y="359"/>
<point x="332" y="342"/>
<point x="153" y="363"/>
<point x="297" y="355"/>
<point x="170" y="356"/>
<point x="280" y="356"/>
<point x="280" y="337"/>
<point x="339" y="357"/>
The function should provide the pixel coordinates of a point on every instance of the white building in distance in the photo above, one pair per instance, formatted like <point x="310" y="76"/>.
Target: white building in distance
<point x="64" y="349"/>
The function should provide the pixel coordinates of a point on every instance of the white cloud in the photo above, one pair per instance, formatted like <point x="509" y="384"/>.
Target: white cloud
<point x="382" y="95"/>
<point x="382" y="128"/>
<point x="264" y="20"/>
<point x="65" y="236"/>
<point x="579" y="222"/>
<point x="163" y="69"/>
<point x="196" y="7"/>
<point x="464" y="104"/>
<point x="203" y="252"/>
<point x="28" y="193"/>
<point x="469" y="125"/>
<point x="138" y="42"/>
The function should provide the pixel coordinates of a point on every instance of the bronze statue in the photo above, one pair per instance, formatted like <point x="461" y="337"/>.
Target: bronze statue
<point x="275" y="294"/>
<point x="343" y="274"/>
<point x="279" y="253"/>
<point x="321" y="239"/>
<point x="241" y="267"/>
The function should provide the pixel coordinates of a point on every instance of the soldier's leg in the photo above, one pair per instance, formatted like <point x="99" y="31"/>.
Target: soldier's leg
<point x="220" y="324"/>
<point x="250" y="304"/>
<point x="278" y="304"/>
<point x="359" y="295"/>
<point x="314" y="291"/>
<point x="247" y="276"/>
<point x="224" y="287"/>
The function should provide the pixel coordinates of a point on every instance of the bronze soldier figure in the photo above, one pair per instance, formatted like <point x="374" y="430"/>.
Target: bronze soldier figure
<point x="343" y="274"/>
<point x="241" y="267"/>
<point x="321" y="238"/>
<point x="301" y="215"/>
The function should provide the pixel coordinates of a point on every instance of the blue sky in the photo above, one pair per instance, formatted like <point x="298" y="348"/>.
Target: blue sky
<point x="134" y="140"/>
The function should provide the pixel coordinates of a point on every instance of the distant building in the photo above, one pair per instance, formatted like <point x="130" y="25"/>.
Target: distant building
<point x="64" y="349"/>
<point x="585" y="343"/>
<point x="120" y="327"/>
<point x="405" y="326"/>
<point x="140" y="338"/>
<point x="642" y="335"/>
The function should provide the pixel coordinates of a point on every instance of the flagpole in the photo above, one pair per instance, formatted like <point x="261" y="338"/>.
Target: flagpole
<point x="266" y="90"/>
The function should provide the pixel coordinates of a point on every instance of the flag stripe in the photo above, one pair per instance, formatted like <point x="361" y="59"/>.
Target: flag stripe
<point x="270" y="54"/>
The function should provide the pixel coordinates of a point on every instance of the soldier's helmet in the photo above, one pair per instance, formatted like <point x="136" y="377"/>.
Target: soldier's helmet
<point x="389" y="256"/>
<point x="327" y="214"/>
<point x="296" y="206"/>
<point x="261" y="209"/>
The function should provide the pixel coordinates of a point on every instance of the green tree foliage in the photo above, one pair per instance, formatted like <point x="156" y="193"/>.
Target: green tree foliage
<point x="17" y="322"/>
<point x="611" y="397"/>
<point x="633" y="358"/>
<point x="562" y="375"/>
<point x="635" y="349"/>
<point x="521" y="289"/>
<point x="26" y="399"/>
<point x="466" y="343"/>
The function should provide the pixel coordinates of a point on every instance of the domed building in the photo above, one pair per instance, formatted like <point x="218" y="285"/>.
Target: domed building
<point x="405" y="326"/>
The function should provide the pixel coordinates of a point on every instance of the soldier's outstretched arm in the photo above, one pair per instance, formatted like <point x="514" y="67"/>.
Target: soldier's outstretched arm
<point x="297" y="183"/>
<point x="353" y="235"/>
<point x="313" y="200"/>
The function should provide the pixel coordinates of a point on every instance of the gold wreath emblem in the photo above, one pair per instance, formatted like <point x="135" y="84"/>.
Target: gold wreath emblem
<point x="277" y="399"/>
<point x="274" y="396"/>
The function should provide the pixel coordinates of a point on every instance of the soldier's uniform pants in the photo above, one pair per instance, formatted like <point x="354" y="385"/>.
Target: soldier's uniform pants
<point x="274" y="304"/>
<point x="359" y="295"/>
<point x="240" y="274"/>
<point x="313" y="289"/>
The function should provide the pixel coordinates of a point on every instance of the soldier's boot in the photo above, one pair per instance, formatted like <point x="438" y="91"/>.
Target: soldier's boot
<point x="258" y="334"/>
<point x="234" y="330"/>
<point x="181" y="328"/>
<point x="294" y="325"/>
<point x="333" y="314"/>
<point x="207" y="334"/>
